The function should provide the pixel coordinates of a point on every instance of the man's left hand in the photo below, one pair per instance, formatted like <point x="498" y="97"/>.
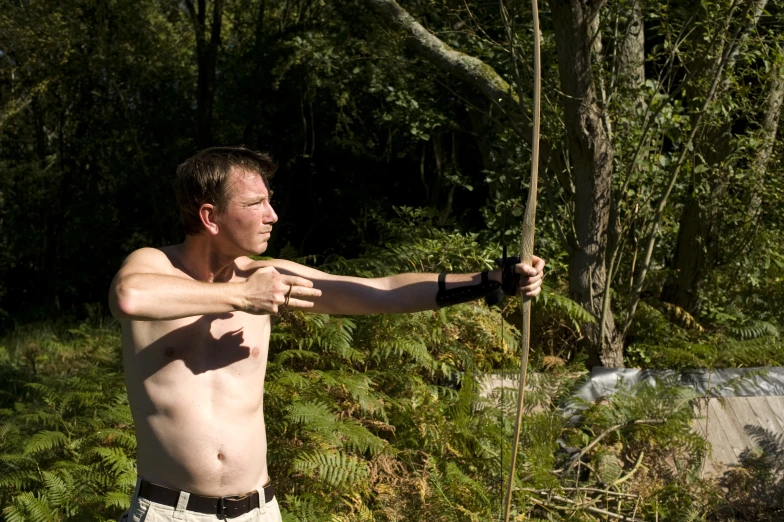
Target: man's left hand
<point x="531" y="276"/>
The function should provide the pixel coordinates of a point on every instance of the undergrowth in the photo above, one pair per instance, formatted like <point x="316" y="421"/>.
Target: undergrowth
<point x="388" y="418"/>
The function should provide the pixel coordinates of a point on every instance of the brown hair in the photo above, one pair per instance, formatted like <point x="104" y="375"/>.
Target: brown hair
<point x="204" y="178"/>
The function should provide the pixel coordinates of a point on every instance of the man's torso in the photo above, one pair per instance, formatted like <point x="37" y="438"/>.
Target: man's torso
<point x="195" y="387"/>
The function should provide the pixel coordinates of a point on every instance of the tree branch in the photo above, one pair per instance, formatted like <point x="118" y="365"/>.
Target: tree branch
<point x="594" y="442"/>
<point x="468" y="68"/>
<point x="197" y="26"/>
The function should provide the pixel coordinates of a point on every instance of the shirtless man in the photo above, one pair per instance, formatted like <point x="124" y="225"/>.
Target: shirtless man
<point x="195" y="333"/>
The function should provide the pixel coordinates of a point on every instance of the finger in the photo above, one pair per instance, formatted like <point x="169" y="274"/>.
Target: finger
<point x="297" y="281"/>
<point x="299" y="291"/>
<point x="525" y="269"/>
<point x="531" y="287"/>
<point x="299" y="303"/>
<point x="538" y="263"/>
<point x="532" y="279"/>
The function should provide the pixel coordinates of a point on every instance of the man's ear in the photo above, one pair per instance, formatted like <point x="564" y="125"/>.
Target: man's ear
<point x="209" y="218"/>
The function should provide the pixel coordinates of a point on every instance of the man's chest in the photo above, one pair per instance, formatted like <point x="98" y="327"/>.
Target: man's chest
<point x="232" y="343"/>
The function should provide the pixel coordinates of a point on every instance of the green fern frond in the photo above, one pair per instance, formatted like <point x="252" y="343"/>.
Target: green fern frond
<point x="754" y="331"/>
<point x="297" y="354"/>
<point x="45" y="441"/>
<point x="457" y="477"/>
<point x="126" y="479"/>
<point x="123" y="438"/>
<point x="118" y="499"/>
<point x="332" y="467"/>
<point x="27" y="507"/>
<point x="56" y="488"/>
<point x="357" y="437"/>
<point x="296" y="508"/>
<point x="287" y="380"/>
<point x="116" y="459"/>
<point x="311" y="413"/>
<point x="18" y="479"/>
<point x="412" y="348"/>
<point x="43" y="390"/>
<point x="572" y="310"/>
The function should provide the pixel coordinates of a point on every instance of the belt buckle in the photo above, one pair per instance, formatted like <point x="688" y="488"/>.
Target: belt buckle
<point x="222" y="502"/>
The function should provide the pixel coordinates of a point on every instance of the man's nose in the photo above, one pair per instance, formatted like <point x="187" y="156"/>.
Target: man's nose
<point x="272" y="217"/>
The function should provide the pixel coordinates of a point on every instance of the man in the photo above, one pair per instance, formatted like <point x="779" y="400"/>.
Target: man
<point x="196" y="326"/>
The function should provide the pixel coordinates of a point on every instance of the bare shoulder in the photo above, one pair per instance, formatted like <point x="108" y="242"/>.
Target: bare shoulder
<point x="149" y="260"/>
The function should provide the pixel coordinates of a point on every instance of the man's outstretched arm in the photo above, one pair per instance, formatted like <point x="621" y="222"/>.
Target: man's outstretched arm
<point x="402" y="293"/>
<point x="148" y="288"/>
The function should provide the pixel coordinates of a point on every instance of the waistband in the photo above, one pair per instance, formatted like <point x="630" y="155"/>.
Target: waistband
<point x="227" y="507"/>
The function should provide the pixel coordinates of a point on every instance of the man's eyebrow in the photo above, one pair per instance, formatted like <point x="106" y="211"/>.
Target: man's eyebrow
<point x="261" y="198"/>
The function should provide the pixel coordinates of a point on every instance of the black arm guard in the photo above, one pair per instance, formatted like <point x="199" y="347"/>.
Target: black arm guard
<point x="464" y="294"/>
<point x="510" y="280"/>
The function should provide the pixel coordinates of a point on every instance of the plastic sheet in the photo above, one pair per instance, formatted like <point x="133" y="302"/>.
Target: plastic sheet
<point x="731" y="382"/>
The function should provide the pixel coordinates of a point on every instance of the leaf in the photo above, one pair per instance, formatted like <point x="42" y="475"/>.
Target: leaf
<point x="45" y="441"/>
<point x="332" y="467"/>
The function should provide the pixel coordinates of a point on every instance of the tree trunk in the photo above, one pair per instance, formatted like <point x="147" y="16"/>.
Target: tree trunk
<point x="591" y="156"/>
<point x="589" y="146"/>
<point x="207" y="60"/>
<point x="697" y="248"/>
<point x="695" y="253"/>
<point x="631" y="51"/>
<point x="256" y="79"/>
<point x="771" y="112"/>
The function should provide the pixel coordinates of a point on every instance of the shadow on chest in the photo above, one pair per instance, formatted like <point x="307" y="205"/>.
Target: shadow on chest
<point x="207" y="344"/>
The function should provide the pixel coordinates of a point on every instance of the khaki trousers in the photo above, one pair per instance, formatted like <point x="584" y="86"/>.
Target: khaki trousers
<point x="142" y="510"/>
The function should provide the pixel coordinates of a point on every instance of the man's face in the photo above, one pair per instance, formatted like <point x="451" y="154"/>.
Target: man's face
<point x="246" y="223"/>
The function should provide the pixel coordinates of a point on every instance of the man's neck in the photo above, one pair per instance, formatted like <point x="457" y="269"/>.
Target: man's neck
<point x="200" y="259"/>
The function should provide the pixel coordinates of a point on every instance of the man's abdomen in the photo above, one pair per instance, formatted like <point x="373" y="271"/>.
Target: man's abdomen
<point x="223" y="457"/>
<point x="202" y="431"/>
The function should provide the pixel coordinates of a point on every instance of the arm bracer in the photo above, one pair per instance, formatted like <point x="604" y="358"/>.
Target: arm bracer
<point x="493" y="291"/>
<point x="463" y="294"/>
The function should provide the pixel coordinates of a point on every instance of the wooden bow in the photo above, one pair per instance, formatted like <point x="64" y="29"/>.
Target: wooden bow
<point x="527" y="252"/>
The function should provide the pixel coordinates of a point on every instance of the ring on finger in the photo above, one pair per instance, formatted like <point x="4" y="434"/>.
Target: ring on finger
<point x="288" y="295"/>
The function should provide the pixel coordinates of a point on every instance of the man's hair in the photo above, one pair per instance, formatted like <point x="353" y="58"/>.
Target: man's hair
<point x="205" y="178"/>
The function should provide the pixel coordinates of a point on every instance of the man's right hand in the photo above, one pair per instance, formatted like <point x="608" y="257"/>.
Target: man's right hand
<point x="266" y="290"/>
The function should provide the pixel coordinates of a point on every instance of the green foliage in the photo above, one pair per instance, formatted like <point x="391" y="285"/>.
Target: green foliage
<point x="731" y="342"/>
<point x="753" y="489"/>
<point x="68" y="448"/>
<point x="380" y="418"/>
<point x="365" y="434"/>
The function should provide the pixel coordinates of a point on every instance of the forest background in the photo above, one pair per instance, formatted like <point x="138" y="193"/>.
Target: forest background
<point x="402" y="131"/>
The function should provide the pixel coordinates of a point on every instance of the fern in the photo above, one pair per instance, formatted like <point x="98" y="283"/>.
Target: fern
<point x="755" y="330"/>
<point x="332" y="467"/>
<point x="569" y="308"/>
<point x="377" y="417"/>
<point x="311" y="413"/>
<point x="115" y="458"/>
<point x="298" y="509"/>
<point x="45" y="441"/>
<point x="73" y="421"/>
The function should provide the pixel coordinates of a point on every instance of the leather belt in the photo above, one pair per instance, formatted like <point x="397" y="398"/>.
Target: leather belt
<point x="227" y="507"/>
